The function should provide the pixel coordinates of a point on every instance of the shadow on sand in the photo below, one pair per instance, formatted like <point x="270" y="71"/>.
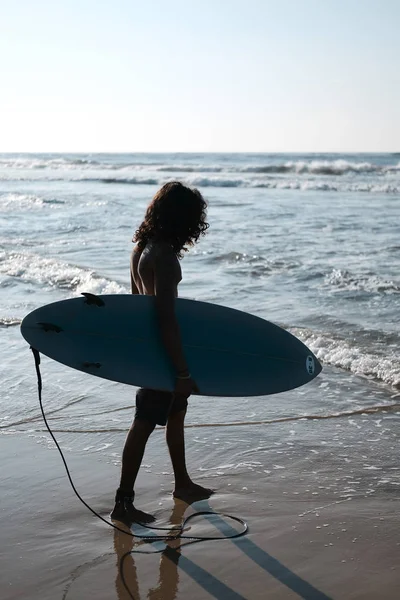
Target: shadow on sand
<point x="171" y="557"/>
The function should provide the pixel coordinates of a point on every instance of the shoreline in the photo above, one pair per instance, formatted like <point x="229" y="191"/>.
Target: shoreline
<point x="52" y="547"/>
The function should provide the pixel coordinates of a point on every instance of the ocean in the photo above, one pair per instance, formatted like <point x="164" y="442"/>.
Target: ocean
<point x="308" y="241"/>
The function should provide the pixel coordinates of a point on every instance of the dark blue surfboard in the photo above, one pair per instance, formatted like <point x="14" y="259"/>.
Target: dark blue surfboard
<point x="229" y="352"/>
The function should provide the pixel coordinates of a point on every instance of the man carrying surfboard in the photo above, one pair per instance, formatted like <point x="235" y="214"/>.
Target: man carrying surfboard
<point x="175" y="219"/>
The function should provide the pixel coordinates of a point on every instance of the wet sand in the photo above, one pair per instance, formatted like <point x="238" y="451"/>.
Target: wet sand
<point x="301" y="543"/>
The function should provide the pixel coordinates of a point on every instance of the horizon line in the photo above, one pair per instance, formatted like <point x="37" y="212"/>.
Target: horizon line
<point x="200" y="152"/>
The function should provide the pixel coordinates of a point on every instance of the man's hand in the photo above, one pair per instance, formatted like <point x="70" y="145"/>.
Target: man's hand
<point x="186" y="386"/>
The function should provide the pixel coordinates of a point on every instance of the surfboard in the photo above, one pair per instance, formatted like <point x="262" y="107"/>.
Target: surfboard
<point x="229" y="352"/>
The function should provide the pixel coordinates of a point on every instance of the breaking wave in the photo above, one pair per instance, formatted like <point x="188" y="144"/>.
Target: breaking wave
<point x="324" y="167"/>
<point x="191" y="169"/>
<point x="53" y="273"/>
<point x="9" y="322"/>
<point x="229" y="182"/>
<point x="27" y="162"/>
<point x="239" y="182"/>
<point x="373" y="360"/>
<point x="335" y="167"/>
<point x="321" y="186"/>
<point x="13" y="201"/>
<point x="128" y="180"/>
<point x="343" y="280"/>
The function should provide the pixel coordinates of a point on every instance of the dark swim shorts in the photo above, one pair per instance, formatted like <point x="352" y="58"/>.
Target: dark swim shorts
<point x="156" y="406"/>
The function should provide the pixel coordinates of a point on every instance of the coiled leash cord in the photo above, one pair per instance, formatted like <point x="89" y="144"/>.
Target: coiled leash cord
<point x="175" y="532"/>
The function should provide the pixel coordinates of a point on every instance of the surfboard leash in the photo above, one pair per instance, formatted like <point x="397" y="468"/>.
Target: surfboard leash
<point x="179" y="529"/>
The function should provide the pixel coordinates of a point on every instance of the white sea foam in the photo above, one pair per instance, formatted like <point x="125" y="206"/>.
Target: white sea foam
<point x="9" y="322"/>
<point x="326" y="186"/>
<point x="343" y="280"/>
<point x="242" y="182"/>
<point x="201" y="181"/>
<point x="228" y="180"/>
<point x="335" y="167"/>
<point x="332" y="167"/>
<point x="17" y="201"/>
<point x="126" y="180"/>
<point x="54" y="273"/>
<point x="190" y="169"/>
<point x="26" y="162"/>
<point x="345" y="354"/>
<point x="318" y="167"/>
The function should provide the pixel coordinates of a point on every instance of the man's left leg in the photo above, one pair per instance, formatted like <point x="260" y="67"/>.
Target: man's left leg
<point x="175" y="434"/>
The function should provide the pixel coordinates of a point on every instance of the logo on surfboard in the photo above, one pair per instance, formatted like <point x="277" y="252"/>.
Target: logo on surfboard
<point x="310" y="365"/>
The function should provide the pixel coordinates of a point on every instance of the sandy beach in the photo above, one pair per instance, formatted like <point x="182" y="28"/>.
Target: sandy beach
<point x="283" y="120"/>
<point x="301" y="543"/>
<point x="314" y="471"/>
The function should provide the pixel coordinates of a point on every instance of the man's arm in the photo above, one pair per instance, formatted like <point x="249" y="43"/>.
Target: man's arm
<point x="134" y="289"/>
<point x="165" y="292"/>
<point x="134" y="260"/>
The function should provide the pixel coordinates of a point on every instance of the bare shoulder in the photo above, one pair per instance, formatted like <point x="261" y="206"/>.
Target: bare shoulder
<point x="163" y="254"/>
<point x="135" y="255"/>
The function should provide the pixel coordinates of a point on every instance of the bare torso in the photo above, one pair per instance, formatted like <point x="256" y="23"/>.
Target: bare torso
<point x="143" y="264"/>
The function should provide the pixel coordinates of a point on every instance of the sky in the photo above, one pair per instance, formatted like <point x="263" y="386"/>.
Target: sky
<point x="199" y="76"/>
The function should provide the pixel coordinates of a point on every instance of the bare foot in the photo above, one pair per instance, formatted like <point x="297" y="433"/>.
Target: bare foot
<point x="128" y="514"/>
<point x="191" y="491"/>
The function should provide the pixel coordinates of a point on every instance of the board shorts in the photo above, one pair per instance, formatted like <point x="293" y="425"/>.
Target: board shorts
<point x="156" y="406"/>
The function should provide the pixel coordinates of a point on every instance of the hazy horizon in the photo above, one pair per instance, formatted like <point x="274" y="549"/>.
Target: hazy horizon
<point x="194" y="152"/>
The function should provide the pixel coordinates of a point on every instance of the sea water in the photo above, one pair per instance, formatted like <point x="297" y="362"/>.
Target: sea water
<point x="310" y="242"/>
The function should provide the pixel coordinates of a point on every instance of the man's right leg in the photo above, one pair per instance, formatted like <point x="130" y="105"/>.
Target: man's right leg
<point x="131" y="460"/>
<point x="133" y="452"/>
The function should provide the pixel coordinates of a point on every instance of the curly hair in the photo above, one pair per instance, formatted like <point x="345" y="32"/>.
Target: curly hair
<point x="177" y="215"/>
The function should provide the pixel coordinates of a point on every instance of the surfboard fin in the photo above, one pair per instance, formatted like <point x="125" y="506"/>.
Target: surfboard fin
<point x="93" y="299"/>
<point x="50" y="327"/>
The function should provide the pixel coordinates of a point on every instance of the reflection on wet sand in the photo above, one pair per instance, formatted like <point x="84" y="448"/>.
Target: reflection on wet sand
<point x="167" y="587"/>
<point x="168" y="581"/>
<point x="128" y="575"/>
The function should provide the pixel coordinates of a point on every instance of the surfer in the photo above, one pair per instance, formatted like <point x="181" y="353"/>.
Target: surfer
<point x="175" y="219"/>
